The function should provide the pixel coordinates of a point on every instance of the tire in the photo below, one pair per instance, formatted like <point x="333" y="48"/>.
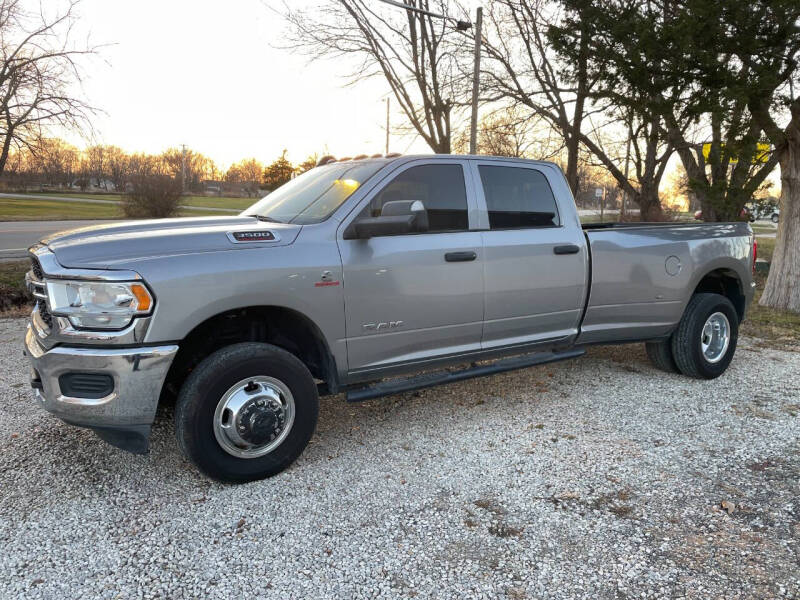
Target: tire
<point x="775" y="218"/>
<point x="203" y="393"/>
<point x="660" y="354"/>
<point x="687" y="339"/>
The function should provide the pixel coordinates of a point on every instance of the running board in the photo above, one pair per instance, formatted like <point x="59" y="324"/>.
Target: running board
<point x="397" y="386"/>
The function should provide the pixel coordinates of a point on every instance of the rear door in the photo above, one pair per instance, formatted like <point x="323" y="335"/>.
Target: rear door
<point x="416" y="297"/>
<point x="535" y="265"/>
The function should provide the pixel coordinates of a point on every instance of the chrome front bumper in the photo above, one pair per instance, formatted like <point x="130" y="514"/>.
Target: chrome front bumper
<point x="123" y="417"/>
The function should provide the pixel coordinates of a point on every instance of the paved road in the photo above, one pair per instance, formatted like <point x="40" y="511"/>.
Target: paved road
<point x="17" y="236"/>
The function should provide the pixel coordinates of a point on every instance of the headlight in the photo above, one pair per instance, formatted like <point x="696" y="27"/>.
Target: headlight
<point x="98" y="304"/>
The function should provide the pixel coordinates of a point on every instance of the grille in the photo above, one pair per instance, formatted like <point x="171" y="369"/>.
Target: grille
<point x="43" y="312"/>
<point x="39" y="289"/>
<point x="37" y="269"/>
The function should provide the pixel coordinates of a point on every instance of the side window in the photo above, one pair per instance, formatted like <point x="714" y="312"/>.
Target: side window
<point x="518" y="198"/>
<point x="439" y="187"/>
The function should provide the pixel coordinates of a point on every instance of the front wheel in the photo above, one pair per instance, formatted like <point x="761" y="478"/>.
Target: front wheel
<point x="775" y="218"/>
<point x="705" y="340"/>
<point x="246" y="412"/>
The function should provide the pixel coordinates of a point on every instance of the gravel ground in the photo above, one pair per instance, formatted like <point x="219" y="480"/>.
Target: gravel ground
<point x="600" y="477"/>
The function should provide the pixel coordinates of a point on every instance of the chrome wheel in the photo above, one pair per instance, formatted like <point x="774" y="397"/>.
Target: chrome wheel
<point x="254" y="417"/>
<point x="716" y="337"/>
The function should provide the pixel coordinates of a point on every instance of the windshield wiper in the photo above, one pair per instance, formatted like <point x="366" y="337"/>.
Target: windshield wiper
<point x="265" y="219"/>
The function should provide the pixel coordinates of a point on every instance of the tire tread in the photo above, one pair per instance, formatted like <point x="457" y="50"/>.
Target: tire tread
<point x="190" y="407"/>
<point x="660" y="354"/>
<point x="685" y="348"/>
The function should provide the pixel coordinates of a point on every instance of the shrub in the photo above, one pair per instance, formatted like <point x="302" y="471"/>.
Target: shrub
<point x="153" y="196"/>
<point x="13" y="293"/>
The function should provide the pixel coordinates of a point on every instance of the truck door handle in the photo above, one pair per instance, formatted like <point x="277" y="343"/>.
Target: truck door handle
<point x="460" y="256"/>
<point x="566" y="249"/>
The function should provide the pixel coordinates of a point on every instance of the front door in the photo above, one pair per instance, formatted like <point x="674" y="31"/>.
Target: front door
<point x="412" y="298"/>
<point x="535" y="268"/>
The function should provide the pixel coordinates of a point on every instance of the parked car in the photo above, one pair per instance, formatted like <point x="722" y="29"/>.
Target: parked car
<point x="352" y="273"/>
<point x="764" y="210"/>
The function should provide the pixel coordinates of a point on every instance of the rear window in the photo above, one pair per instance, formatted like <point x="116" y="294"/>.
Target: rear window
<point x="518" y="198"/>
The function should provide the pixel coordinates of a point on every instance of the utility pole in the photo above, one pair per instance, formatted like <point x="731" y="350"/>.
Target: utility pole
<point x="183" y="169"/>
<point x="602" y="203"/>
<point x="476" y="76"/>
<point x="387" y="125"/>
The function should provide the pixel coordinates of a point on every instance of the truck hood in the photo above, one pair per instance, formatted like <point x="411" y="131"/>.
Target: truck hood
<point x="104" y="246"/>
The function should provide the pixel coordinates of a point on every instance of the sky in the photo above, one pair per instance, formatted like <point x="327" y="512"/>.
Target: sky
<point x="208" y="74"/>
<point x="212" y="75"/>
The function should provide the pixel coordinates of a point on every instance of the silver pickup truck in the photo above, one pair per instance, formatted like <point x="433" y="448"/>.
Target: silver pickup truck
<point x="364" y="277"/>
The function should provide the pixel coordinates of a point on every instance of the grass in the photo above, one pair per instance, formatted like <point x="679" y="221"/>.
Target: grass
<point x="22" y="209"/>
<point x="763" y="228"/>
<point x="94" y="196"/>
<point x="221" y="202"/>
<point x="766" y="246"/>
<point x="12" y="273"/>
<point x="778" y="328"/>
<point x="53" y="210"/>
<point x="14" y="298"/>
<point x="12" y="209"/>
<point x="188" y="200"/>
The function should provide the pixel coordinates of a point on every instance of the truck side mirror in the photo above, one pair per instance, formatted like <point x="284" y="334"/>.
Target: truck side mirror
<point x="397" y="217"/>
<point x="408" y="207"/>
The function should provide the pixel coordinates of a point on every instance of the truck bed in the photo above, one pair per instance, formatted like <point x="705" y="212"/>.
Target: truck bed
<point x="643" y="274"/>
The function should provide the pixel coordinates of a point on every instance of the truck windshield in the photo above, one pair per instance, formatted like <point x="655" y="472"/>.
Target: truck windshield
<point x="313" y="196"/>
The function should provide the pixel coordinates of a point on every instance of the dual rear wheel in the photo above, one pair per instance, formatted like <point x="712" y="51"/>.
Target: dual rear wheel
<point x="704" y="342"/>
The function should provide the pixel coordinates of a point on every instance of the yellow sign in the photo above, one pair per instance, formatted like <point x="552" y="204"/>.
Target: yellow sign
<point x="761" y="156"/>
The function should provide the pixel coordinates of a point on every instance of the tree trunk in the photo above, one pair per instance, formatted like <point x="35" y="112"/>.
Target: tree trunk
<point x="572" y="139"/>
<point x="783" y="284"/>
<point x="649" y="205"/>
<point x="572" y="163"/>
<point x="6" y="149"/>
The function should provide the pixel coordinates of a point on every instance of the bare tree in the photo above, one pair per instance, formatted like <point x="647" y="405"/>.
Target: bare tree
<point x="521" y="67"/>
<point x="559" y="85"/>
<point x="38" y="73"/>
<point x="247" y="173"/>
<point x="117" y="166"/>
<point x="416" y="54"/>
<point x="154" y="192"/>
<point x="56" y="161"/>
<point x="189" y="166"/>
<point x="513" y="131"/>
<point x="650" y="154"/>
